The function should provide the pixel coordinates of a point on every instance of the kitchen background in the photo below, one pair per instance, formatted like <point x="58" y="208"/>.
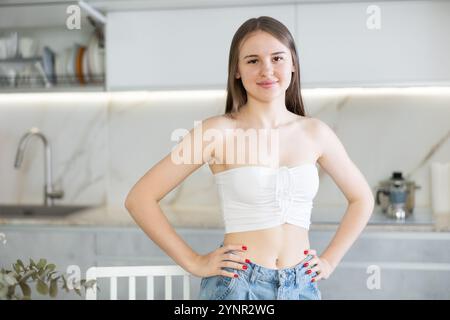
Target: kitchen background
<point x="109" y="95"/>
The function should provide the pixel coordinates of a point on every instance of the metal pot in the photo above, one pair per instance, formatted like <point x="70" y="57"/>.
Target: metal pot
<point x="396" y="196"/>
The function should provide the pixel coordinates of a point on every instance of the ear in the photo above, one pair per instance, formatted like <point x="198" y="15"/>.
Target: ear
<point x="238" y="75"/>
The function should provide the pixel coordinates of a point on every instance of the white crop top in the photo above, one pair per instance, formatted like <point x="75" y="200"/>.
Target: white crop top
<point x="259" y="197"/>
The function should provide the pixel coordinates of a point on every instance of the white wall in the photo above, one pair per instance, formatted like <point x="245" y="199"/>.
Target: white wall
<point x="104" y="142"/>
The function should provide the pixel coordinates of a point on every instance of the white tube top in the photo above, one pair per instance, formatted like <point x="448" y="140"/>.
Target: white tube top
<point x="259" y="197"/>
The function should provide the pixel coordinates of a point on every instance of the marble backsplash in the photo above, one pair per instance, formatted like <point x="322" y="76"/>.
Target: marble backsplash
<point x="102" y="143"/>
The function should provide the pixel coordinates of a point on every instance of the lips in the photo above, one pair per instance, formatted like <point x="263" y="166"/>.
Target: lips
<point x="266" y="82"/>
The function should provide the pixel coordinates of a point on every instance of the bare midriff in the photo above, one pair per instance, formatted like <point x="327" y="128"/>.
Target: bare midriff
<point x="279" y="247"/>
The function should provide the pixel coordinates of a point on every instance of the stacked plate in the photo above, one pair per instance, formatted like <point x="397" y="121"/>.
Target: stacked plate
<point x="81" y="64"/>
<point x="96" y="59"/>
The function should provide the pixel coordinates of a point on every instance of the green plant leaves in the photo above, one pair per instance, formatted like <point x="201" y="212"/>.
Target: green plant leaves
<point x="41" y="287"/>
<point x="50" y="267"/>
<point x="26" y="290"/>
<point x="54" y="288"/>
<point x="28" y="274"/>
<point x="16" y="268"/>
<point x="41" y="264"/>
<point x="3" y="286"/>
<point x="45" y="276"/>
<point x="20" y="263"/>
<point x="10" y="279"/>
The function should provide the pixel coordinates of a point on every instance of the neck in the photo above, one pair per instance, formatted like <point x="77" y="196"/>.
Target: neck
<point x="266" y="114"/>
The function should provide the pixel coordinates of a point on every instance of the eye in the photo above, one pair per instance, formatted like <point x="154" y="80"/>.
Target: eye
<point x="276" y="58"/>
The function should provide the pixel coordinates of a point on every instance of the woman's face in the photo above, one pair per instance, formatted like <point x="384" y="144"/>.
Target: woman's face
<point x="263" y="58"/>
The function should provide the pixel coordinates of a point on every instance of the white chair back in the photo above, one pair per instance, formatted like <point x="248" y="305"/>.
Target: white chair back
<point x="150" y="272"/>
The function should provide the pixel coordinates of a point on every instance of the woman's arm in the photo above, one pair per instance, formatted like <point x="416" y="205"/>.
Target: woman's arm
<point x="335" y="161"/>
<point x="142" y="202"/>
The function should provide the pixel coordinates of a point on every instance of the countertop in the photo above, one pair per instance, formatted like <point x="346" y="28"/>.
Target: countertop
<point x="322" y="218"/>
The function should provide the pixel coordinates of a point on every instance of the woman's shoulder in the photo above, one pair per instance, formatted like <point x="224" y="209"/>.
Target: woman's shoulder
<point x="313" y="126"/>
<point x="219" y="122"/>
<point x="319" y="128"/>
<point x="321" y="134"/>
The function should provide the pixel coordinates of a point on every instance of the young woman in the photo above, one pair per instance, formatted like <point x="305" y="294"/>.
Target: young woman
<point x="266" y="204"/>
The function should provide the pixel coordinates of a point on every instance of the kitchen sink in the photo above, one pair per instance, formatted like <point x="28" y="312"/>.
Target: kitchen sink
<point x="32" y="211"/>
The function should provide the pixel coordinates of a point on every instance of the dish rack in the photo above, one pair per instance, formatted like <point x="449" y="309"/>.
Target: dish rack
<point x="78" y="66"/>
<point x="40" y="80"/>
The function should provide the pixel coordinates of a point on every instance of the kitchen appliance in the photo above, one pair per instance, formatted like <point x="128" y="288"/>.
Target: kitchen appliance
<point x="396" y="196"/>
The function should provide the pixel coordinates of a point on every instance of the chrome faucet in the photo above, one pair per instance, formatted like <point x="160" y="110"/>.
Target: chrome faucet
<point x="49" y="193"/>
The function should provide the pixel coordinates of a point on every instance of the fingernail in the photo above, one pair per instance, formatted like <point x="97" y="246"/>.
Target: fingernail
<point x="247" y="261"/>
<point x="244" y="267"/>
<point x="308" y="272"/>
<point x="305" y="252"/>
<point x="236" y="275"/>
<point x="244" y="248"/>
<point x="306" y="264"/>
<point x="313" y="280"/>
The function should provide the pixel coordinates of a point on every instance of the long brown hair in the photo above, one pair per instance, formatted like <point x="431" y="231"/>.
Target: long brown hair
<point x="236" y="94"/>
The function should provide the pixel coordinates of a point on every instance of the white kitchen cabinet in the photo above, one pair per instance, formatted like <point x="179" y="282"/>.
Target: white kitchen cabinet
<point x="411" y="47"/>
<point x="188" y="48"/>
<point x="179" y="49"/>
<point x="411" y="265"/>
<point x="46" y="23"/>
<point x="408" y="265"/>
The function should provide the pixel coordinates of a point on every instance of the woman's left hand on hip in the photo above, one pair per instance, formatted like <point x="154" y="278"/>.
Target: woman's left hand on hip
<point x="319" y="265"/>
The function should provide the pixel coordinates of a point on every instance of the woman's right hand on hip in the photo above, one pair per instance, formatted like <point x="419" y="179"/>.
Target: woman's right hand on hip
<point x="211" y="264"/>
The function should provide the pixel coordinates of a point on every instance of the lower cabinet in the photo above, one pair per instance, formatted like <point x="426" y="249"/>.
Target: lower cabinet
<point x="379" y="265"/>
<point x="389" y="265"/>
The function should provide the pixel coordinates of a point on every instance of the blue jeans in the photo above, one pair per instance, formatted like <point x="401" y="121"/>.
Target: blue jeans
<point x="261" y="283"/>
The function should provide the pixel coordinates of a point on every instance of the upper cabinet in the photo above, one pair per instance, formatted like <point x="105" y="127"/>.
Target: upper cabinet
<point x="340" y="44"/>
<point x="49" y="47"/>
<point x="181" y="45"/>
<point x="180" y="49"/>
<point x="393" y="43"/>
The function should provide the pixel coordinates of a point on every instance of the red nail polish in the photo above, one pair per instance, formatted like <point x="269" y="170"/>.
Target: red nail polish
<point x="313" y="280"/>
<point x="247" y="261"/>
<point x="308" y="272"/>
<point x="305" y="252"/>
<point x="306" y="264"/>
<point x="244" y="248"/>
<point x="236" y="275"/>
<point x="244" y="267"/>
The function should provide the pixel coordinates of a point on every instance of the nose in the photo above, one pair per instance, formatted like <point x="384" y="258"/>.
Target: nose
<point x="266" y="68"/>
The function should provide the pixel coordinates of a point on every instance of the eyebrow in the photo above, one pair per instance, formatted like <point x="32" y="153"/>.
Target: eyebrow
<point x="255" y="55"/>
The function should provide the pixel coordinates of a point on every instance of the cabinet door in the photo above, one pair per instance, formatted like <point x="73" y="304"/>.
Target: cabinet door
<point x="179" y="49"/>
<point x="389" y="265"/>
<point x="338" y="49"/>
